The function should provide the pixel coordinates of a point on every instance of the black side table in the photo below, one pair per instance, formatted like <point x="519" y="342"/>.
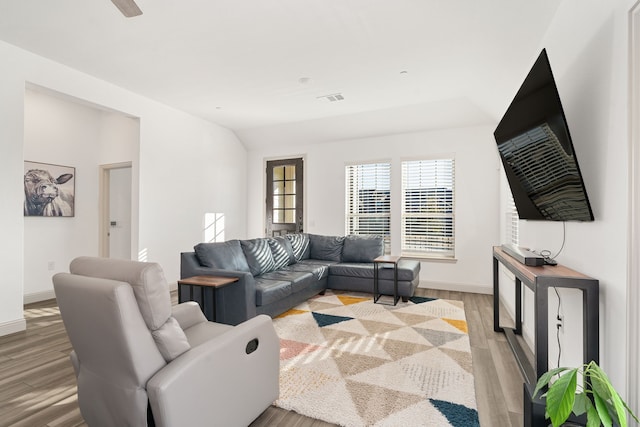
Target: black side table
<point x="213" y="282"/>
<point x="385" y="259"/>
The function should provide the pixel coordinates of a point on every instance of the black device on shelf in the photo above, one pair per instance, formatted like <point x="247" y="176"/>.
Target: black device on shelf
<point x="524" y="256"/>
<point x="538" y="154"/>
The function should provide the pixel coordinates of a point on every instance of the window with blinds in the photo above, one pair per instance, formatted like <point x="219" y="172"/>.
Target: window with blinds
<point x="512" y="222"/>
<point x="428" y="226"/>
<point x="368" y="203"/>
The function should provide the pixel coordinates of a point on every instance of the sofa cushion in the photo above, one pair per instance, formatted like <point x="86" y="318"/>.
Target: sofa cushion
<point x="258" y="254"/>
<point x="327" y="248"/>
<point x="320" y="269"/>
<point x="300" y="280"/>
<point x="282" y="252"/>
<point x="224" y="255"/>
<point x="300" y="245"/>
<point x="170" y="339"/>
<point x="362" y="248"/>
<point x="270" y="291"/>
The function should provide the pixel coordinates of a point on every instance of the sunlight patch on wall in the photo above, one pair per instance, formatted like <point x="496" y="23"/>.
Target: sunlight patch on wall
<point x="143" y="255"/>
<point x="213" y="227"/>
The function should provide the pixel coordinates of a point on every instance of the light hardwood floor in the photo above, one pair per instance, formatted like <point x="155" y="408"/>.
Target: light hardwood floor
<point x="38" y="388"/>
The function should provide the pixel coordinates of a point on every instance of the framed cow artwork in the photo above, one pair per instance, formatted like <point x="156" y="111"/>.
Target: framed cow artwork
<point x="49" y="190"/>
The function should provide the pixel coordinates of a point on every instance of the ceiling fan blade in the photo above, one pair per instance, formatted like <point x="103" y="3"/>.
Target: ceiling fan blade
<point x="129" y="8"/>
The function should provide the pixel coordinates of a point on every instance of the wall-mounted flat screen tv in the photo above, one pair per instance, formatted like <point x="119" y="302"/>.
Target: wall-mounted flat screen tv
<point x="537" y="152"/>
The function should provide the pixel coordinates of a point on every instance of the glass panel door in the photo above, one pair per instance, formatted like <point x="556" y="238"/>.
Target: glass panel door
<point x="284" y="212"/>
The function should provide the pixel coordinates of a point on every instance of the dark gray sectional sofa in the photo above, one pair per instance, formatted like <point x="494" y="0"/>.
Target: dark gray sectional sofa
<point x="276" y="274"/>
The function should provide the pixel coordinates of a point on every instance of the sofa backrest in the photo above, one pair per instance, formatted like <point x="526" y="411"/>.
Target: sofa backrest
<point x="223" y="255"/>
<point x="263" y="255"/>
<point x="362" y="248"/>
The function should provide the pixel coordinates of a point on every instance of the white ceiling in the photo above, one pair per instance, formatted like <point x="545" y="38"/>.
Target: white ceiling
<point x="238" y="63"/>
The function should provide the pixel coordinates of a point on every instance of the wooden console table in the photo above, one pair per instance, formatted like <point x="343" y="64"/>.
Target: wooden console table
<point x="539" y="280"/>
<point x="212" y="282"/>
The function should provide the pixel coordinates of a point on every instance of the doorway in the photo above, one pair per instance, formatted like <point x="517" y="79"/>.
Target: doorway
<point x="284" y="205"/>
<point x="115" y="210"/>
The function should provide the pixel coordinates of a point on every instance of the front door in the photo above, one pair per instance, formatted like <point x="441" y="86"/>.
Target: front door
<point x="284" y="197"/>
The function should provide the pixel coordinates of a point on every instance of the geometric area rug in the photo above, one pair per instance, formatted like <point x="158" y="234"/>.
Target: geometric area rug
<point x="348" y="361"/>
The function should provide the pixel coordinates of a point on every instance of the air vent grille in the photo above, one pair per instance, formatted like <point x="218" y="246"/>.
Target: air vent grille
<point x="334" y="97"/>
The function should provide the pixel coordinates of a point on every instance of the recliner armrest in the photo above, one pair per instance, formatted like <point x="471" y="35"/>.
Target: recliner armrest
<point x="188" y="314"/>
<point x="218" y="380"/>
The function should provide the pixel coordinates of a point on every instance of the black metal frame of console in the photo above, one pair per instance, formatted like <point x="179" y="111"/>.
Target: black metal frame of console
<point x="539" y="280"/>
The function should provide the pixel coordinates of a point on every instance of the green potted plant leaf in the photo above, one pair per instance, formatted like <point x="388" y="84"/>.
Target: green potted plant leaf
<point x="594" y="395"/>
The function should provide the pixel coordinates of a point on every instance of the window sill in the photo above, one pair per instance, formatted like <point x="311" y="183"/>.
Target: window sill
<point x="429" y="258"/>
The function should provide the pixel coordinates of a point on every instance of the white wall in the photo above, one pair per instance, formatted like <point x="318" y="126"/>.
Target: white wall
<point x="187" y="167"/>
<point x="477" y="193"/>
<point x="63" y="132"/>
<point x="587" y="46"/>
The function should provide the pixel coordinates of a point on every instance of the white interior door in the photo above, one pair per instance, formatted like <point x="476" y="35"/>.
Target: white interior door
<point x="120" y="213"/>
<point x="115" y="211"/>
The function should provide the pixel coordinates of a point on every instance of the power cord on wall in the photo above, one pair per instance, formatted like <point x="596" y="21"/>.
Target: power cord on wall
<point x="546" y="254"/>
<point x="558" y="325"/>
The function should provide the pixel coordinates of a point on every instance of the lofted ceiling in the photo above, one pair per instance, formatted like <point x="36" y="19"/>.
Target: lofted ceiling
<point x="264" y="67"/>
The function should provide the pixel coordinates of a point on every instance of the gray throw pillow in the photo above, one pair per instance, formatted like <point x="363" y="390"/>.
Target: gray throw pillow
<point x="362" y="248"/>
<point x="224" y="255"/>
<point x="282" y="252"/>
<point x="259" y="257"/>
<point x="326" y="248"/>
<point x="300" y="245"/>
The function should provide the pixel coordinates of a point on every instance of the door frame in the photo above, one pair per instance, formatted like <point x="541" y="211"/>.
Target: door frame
<point x="304" y="188"/>
<point x="633" y="249"/>
<point x="103" y="205"/>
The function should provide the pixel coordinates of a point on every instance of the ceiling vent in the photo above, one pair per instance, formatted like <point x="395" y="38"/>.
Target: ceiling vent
<point x="334" y="97"/>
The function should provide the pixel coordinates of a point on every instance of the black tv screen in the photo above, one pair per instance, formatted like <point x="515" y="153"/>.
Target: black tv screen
<point x="537" y="152"/>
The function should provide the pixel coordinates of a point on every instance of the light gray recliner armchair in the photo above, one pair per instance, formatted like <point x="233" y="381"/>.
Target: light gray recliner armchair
<point x="138" y="360"/>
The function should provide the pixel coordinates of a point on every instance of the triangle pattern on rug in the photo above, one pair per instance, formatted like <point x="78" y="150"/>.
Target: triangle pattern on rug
<point x="462" y="358"/>
<point x="374" y="403"/>
<point x="437" y="338"/>
<point x="411" y="319"/>
<point x="289" y="349"/>
<point x="459" y="324"/>
<point x="321" y="305"/>
<point x="348" y="300"/>
<point x="328" y="319"/>
<point x="291" y="312"/>
<point x="400" y="349"/>
<point x="457" y="415"/>
<point x="420" y="300"/>
<point x="379" y="327"/>
<point x="350" y="362"/>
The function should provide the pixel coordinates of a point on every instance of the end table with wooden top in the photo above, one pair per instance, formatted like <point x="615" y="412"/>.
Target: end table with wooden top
<point x="213" y="283"/>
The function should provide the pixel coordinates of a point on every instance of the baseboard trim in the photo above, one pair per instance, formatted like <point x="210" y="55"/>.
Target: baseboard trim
<point x="38" y="296"/>
<point x="458" y="287"/>
<point x="13" y="326"/>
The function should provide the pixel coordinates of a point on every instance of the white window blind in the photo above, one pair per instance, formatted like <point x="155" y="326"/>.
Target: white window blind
<point x="428" y="226"/>
<point x="512" y="222"/>
<point x="368" y="201"/>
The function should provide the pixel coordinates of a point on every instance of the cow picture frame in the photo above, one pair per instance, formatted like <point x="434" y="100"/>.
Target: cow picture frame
<point x="49" y="190"/>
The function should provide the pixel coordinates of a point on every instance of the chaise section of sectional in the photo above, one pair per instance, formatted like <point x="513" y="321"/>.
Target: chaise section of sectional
<point x="359" y="277"/>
